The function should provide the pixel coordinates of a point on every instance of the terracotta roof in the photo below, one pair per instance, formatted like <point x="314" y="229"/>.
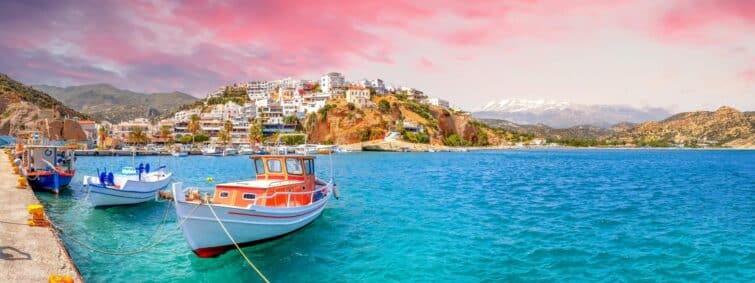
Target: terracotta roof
<point x="86" y="122"/>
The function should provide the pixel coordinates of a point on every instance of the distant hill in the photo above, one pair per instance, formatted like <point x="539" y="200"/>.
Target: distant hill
<point x="560" y="114"/>
<point x="24" y="108"/>
<point x="725" y="127"/>
<point x="541" y="130"/>
<point x="105" y="102"/>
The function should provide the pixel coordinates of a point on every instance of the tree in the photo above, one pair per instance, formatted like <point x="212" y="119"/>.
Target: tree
<point x="291" y="119"/>
<point x="455" y="140"/>
<point x="224" y="136"/>
<point x="384" y="106"/>
<point x="102" y="134"/>
<point x="194" y="127"/>
<point x="255" y="132"/>
<point x="137" y="136"/>
<point x="164" y="132"/>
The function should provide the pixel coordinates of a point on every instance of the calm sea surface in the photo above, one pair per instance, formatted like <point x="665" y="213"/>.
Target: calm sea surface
<point x="528" y="215"/>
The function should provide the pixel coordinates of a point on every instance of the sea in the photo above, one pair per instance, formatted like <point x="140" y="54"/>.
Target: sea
<point x="485" y="216"/>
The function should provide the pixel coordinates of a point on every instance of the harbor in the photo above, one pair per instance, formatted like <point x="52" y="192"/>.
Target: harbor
<point x="27" y="253"/>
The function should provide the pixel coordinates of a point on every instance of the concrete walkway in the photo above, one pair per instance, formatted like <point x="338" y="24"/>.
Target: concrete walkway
<point x="27" y="254"/>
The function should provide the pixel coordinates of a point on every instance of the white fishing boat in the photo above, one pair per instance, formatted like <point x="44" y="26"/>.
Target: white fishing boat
<point x="211" y="150"/>
<point x="229" y="151"/>
<point x="130" y="186"/>
<point x="285" y="196"/>
<point x="246" y="149"/>
<point x="178" y="151"/>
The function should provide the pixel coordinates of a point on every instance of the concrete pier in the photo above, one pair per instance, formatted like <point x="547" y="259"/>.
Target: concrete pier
<point x="27" y="254"/>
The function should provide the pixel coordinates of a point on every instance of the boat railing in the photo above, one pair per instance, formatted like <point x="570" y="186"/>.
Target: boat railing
<point x="289" y="194"/>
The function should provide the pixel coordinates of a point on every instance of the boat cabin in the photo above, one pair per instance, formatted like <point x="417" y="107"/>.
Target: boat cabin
<point x="38" y="158"/>
<point x="282" y="181"/>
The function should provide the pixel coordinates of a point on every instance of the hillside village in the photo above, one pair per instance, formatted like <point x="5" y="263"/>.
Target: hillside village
<point x="258" y="110"/>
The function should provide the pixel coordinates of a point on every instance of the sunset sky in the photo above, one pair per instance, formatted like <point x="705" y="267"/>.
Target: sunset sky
<point x="683" y="55"/>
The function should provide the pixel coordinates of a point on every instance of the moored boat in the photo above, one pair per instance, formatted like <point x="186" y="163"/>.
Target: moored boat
<point x="229" y="151"/>
<point x="131" y="186"/>
<point x="285" y="196"/>
<point x="246" y="149"/>
<point x="48" y="167"/>
<point x="212" y="150"/>
<point x="179" y="151"/>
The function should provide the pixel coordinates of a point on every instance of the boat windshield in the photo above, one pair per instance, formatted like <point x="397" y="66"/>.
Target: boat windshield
<point x="293" y="166"/>
<point x="259" y="166"/>
<point x="274" y="166"/>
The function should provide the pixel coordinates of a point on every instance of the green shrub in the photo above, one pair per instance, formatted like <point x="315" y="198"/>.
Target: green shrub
<point x="455" y="140"/>
<point x="384" y="106"/>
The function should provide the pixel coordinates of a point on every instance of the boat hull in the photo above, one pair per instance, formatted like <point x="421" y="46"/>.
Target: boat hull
<point x="133" y="192"/>
<point x="47" y="182"/>
<point x="249" y="226"/>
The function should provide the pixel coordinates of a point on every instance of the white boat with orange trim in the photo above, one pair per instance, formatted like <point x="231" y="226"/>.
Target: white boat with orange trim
<point x="285" y="196"/>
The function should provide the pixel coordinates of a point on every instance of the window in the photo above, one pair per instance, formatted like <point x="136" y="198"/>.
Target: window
<point x="223" y="194"/>
<point x="274" y="166"/>
<point x="309" y="163"/>
<point x="249" y="196"/>
<point x="259" y="166"/>
<point x="293" y="166"/>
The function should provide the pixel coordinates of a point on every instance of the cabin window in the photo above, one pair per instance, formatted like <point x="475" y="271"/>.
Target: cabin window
<point x="259" y="166"/>
<point x="249" y="196"/>
<point x="293" y="166"/>
<point x="310" y="165"/>
<point x="223" y="194"/>
<point x="274" y="166"/>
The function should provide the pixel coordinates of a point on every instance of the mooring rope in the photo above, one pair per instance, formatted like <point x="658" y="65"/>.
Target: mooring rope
<point x="140" y="250"/>
<point x="237" y="245"/>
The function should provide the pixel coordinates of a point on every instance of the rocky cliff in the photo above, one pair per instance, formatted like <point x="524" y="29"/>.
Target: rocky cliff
<point x="24" y="108"/>
<point x="341" y="123"/>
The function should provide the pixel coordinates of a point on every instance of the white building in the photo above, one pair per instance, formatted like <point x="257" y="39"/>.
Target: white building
<point x="414" y="94"/>
<point x="360" y="96"/>
<point x="330" y="81"/>
<point x="185" y="115"/>
<point x="259" y="89"/>
<point x="378" y="85"/>
<point x="437" y="102"/>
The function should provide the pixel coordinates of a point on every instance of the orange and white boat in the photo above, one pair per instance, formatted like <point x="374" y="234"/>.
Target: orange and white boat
<point x="285" y="196"/>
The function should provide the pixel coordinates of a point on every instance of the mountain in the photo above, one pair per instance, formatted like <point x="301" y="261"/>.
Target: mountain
<point x="726" y="127"/>
<point x="561" y="114"/>
<point x="24" y="108"/>
<point x="541" y="130"/>
<point x="105" y="102"/>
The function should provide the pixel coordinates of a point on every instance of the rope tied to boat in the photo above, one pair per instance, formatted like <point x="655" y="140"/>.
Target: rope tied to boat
<point x="248" y="261"/>
<point x="133" y="252"/>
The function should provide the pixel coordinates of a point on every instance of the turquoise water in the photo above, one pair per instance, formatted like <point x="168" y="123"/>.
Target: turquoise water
<point x="531" y="215"/>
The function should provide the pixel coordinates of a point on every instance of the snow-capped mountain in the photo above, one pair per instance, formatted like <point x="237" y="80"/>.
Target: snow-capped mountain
<point x="562" y="114"/>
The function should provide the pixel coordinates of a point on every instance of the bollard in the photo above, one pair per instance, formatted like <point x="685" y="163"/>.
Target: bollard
<point x="16" y="171"/>
<point x="22" y="183"/>
<point x="37" y="215"/>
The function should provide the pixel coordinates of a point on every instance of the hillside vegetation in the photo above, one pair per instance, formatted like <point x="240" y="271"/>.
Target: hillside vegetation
<point x="105" y="102"/>
<point x="340" y="122"/>
<point x="24" y="108"/>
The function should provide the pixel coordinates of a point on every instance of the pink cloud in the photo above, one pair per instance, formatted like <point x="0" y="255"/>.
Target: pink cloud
<point x="693" y="20"/>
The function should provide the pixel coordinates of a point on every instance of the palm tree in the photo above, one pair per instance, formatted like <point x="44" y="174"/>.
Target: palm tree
<point x="101" y="136"/>
<point x="224" y="136"/>
<point x="194" y="126"/>
<point x="228" y="129"/>
<point x="255" y="132"/>
<point x="164" y="132"/>
<point x="137" y="136"/>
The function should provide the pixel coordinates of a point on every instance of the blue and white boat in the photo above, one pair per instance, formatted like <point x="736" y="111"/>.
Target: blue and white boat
<point x="48" y="167"/>
<point x="131" y="186"/>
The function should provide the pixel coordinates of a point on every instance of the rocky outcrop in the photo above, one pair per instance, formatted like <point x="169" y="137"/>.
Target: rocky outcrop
<point x="339" y="124"/>
<point x="24" y="108"/>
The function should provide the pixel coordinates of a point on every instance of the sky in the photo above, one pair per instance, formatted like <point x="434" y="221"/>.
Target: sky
<point x="682" y="55"/>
